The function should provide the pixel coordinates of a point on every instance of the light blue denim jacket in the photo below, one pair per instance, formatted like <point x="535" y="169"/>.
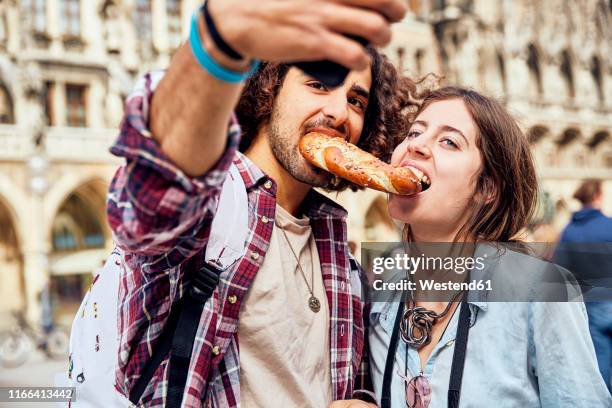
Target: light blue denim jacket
<point x="519" y="354"/>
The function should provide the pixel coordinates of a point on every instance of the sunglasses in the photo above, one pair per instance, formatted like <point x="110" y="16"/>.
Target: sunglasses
<point x="418" y="391"/>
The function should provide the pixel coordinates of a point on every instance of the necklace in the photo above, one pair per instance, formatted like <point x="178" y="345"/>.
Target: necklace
<point x="313" y="302"/>
<point x="417" y="322"/>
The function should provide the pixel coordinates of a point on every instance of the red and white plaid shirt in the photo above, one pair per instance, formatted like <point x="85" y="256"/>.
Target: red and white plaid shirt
<point x="161" y="218"/>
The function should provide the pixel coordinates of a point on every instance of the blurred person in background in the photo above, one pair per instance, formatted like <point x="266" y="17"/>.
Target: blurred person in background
<point x="589" y="226"/>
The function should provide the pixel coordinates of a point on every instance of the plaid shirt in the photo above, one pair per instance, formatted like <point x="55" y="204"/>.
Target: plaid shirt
<point x="161" y="218"/>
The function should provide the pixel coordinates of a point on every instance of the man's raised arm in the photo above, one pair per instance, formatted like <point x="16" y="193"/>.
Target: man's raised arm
<point x="191" y="109"/>
<point x="178" y="136"/>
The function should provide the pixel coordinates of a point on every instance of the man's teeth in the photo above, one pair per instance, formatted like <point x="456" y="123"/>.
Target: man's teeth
<point x="425" y="180"/>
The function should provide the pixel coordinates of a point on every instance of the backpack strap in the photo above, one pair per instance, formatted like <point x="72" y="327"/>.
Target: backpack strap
<point x="179" y="332"/>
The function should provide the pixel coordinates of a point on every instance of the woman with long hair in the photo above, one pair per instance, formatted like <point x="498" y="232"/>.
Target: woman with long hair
<point x="463" y="350"/>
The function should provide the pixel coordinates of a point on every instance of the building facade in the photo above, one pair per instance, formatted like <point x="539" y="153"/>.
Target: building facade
<point x="67" y="65"/>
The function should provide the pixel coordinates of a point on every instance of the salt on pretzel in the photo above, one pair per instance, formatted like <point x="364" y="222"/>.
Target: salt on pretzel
<point x="349" y="162"/>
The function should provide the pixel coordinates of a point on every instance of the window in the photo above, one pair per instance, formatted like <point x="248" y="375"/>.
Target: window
<point x="71" y="18"/>
<point x="533" y="61"/>
<point x="35" y="10"/>
<point x="48" y="100"/>
<point x="6" y="106"/>
<point x="597" y="77"/>
<point x="143" y="22"/>
<point x="568" y="73"/>
<point x="75" y="105"/>
<point x="173" y="10"/>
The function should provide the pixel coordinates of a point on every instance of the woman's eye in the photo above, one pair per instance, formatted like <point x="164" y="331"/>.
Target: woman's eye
<point x="449" y="142"/>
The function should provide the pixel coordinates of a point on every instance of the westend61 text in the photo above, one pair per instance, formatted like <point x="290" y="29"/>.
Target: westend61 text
<point x="432" y="284"/>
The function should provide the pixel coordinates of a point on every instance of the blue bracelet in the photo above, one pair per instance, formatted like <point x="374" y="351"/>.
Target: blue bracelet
<point x="209" y="64"/>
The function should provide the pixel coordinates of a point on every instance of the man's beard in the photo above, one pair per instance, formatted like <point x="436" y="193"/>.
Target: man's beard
<point x="284" y="145"/>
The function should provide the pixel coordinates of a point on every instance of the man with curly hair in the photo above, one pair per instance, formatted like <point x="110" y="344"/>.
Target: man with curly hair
<point x="284" y="327"/>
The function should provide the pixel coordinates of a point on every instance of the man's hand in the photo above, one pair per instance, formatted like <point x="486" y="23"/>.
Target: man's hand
<point x="191" y="109"/>
<point x="306" y="30"/>
<point x="351" y="404"/>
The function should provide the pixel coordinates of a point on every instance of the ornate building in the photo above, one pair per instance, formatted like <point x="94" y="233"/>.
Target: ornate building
<point x="67" y="65"/>
<point x="65" y="68"/>
<point x="548" y="61"/>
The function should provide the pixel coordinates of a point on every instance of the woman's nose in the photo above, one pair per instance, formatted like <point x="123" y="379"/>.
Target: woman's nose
<point x="418" y="147"/>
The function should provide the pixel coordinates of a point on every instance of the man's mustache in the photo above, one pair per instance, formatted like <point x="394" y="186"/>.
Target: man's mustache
<point x="326" y="123"/>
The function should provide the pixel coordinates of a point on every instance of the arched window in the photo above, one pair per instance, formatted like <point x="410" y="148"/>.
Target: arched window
<point x="173" y="11"/>
<point x="537" y="133"/>
<point x="568" y="136"/>
<point x="36" y="12"/>
<point x="501" y="65"/>
<point x="568" y="73"/>
<point x="535" y="71"/>
<point x="143" y="21"/>
<point x="597" y="77"/>
<point x="598" y="138"/>
<point x="76" y="226"/>
<point x="6" y="106"/>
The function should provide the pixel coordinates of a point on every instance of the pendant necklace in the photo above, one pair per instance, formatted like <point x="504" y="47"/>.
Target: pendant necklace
<point x="313" y="302"/>
<point x="417" y="322"/>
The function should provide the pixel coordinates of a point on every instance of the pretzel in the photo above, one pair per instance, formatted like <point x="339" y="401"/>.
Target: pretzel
<point x="346" y="160"/>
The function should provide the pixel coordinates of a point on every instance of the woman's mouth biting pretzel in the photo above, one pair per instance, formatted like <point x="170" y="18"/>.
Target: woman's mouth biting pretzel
<point x="347" y="161"/>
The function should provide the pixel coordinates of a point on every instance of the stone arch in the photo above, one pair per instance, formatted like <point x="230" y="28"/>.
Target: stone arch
<point x="67" y="184"/>
<point x="89" y="192"/>
<point x="16" y="203"/>
<point x="12" y="290"/>
<point x="77" y="236"/>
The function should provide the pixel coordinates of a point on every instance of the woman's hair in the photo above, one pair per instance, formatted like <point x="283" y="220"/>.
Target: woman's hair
<point x="506" y="188"/>
<point x="588" y="191"/>
<point x="384" y="123"/>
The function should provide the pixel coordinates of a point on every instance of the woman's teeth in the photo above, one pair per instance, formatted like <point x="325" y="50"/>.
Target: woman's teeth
<point x="424" y="179"/>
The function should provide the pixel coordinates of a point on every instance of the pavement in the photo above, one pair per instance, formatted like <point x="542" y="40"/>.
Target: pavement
<point x="38" y="371"/>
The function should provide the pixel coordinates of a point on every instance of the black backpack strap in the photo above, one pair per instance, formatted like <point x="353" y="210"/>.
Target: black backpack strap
<point x="385" y="401"/>
<point x="463" y="329"/>
<point x="178" y="336"/>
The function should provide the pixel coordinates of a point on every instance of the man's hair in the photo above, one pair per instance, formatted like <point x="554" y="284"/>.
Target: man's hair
<point x="383" y="125"/>
<point x="588" y="191"/>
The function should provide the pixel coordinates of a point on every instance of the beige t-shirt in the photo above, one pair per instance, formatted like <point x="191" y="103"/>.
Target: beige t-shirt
<point x="284" y="346"/>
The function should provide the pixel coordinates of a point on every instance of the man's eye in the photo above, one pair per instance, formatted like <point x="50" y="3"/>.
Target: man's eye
<point x="412" y="134"/>
<point x="357" y="102"/>
<point x="317" y="85"/>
